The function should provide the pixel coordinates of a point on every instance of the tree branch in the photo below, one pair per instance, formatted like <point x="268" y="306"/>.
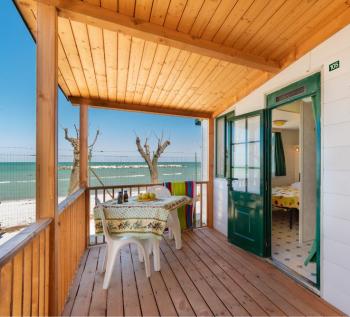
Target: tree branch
<point x="145" y="155"/>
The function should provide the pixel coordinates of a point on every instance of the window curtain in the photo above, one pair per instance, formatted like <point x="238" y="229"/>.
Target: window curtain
<point x="280" y="161"/>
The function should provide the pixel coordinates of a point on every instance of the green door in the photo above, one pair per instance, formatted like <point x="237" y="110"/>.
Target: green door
<point x="246" y="224"/>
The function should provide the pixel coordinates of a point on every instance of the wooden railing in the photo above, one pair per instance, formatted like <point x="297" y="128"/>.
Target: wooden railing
<point x="72" y="242"/>
<point x="38" y="255"/>
<point x="104" y="193"/>
<point x="24" y="272"/>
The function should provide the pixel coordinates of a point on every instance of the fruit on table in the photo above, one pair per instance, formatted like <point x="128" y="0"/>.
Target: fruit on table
<point x="147" y="196"/>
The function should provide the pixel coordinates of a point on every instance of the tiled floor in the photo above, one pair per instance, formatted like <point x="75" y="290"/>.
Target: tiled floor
<point x="286" y="248"/>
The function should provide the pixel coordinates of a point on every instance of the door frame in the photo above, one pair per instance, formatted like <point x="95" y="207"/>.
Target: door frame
<point x="230" y="118"/>
<point x="306" y="87"/>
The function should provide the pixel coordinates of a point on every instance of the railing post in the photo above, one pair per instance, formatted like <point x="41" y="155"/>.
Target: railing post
<point x="84" y="164"/>
<point x="46" y="136"/>
<point x="210" y="187"/>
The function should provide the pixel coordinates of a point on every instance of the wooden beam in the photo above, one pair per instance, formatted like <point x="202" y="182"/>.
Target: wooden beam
<point x="98" y="103"/>
<point x="83" y="134"/>
<point x="46" y="136"/>
<point x="210" y="189"/>
<point x="110" y="20"/>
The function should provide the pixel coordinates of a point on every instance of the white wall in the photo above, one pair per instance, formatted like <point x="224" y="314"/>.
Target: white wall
<point x="335" y="200"/>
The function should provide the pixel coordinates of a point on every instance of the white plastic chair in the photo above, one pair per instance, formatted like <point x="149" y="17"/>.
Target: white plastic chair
<point x="114" y="244"/>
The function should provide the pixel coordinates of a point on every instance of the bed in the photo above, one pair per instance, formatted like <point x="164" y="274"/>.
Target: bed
<point x="287" y="198"/>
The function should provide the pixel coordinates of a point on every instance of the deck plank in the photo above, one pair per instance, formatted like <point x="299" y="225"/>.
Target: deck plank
<point x="306" y="302"/>
<point x="130" y="296"/>
<point x="209" y="276"/>
<point x="83" y="298"/>
<point x="213" y="301"/>
<point x="144" y="288"/>
<point x="179" y="299"/>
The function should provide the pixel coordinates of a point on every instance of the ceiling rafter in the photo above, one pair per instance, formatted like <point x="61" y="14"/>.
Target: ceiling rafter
<point x="98" y="103"/>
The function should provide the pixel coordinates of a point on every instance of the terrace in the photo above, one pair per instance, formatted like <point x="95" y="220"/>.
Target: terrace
<point x="179" y="58"/>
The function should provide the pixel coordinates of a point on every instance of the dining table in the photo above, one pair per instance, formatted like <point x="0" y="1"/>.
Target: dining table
<point x="141" y="219"/>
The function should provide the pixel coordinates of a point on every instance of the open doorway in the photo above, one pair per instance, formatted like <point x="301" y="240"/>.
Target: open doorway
<point x="294" y="189"/>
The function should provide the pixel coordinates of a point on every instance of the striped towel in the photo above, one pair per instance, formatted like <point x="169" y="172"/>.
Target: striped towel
<point x="185" y="213"/>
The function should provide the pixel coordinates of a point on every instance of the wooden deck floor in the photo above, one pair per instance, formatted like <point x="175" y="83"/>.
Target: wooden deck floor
<point x="207" y="277"/>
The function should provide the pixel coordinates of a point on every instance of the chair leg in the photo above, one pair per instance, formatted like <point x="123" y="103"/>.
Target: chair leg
<point x="105" y="259"/>
<point x="156" y="254"/>
<point x="176" y="229"/>
<point x="112" y="254"/>
<point x="140" y="253"/>
<point x="146" y="257"/>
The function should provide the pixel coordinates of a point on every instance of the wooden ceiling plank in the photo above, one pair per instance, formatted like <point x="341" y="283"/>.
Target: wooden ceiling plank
<point x="255" y="27"/>
<point x="83" y="46"/>
<point x="224" y="83"/>
<point x="233" y="18"/>
<point x="107" y="19"/>
<point x="159" y="59"/>
<point x="190" y="65"/>
<point x="98" y="103"/>
<point x="124" y="46"/>
<point x="191" y="88"/>
<point x="29" y="15"/>
<point x="203" y="17"/>
<point x="136" y="52"/>
<point x="243" y="92"/>
<point x="165" y="72"/>
<point x="189" y="14"/>
<point x="93" y="2"/>
<point x="62" y="83"/>
<point x="95" y="35"/>
<point x="146" y="64"/>
<point x="220" y="70"/>
<point x="175" y="11"/>
<point x="67" y="71"/>
<point x="126" y="7"/>
<point x="287" y="18"/>
<point x="220" y="15"/>
<point x="159" y="11"/>
<point x="68" y="42"/>
<point x="326" y="15"/>
<point x="248" y="18"/>
<point x="311" y="41"/>
<point x="200" y="67"/>
<point x="143" y="9"/>
<point x="175" y="73"/>
<point x="110" y="4"/>
<point x="111" y="55"/>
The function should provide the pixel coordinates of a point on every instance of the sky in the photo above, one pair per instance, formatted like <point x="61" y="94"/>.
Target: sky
<point x="117" y="129"/>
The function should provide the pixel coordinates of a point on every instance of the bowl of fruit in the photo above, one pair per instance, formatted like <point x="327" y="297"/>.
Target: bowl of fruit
<point x="147" y="197"/>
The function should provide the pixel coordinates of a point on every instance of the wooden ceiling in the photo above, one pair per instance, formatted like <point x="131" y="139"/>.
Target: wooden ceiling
<point x="182" y="57"/>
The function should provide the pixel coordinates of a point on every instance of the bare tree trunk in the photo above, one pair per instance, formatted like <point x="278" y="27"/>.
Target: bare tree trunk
<point x="75" y="143"/>
<point x="152" y="163"/>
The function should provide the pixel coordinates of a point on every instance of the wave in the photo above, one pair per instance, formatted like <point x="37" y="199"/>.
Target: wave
<point x="170" y="174"/>
<point x="134" y="166"/>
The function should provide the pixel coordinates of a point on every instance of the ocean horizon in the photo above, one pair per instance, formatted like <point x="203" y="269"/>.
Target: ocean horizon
<point x="17" y="179"/>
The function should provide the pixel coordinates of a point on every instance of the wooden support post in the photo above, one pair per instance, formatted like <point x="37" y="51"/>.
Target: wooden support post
<point x="210" y="190"/>
<point x="84" y="164"/>
<point x="46" y="136"/>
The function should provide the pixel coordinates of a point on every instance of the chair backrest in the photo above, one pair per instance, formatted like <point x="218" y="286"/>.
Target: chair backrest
<point x="160" y="191"/>
<point x="104" y="224"/>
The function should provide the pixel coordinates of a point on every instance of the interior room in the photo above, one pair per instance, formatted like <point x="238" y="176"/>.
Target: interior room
<point x="294" y="189"/>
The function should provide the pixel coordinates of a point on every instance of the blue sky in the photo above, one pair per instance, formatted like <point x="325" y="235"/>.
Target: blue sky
<point x="17" y="105"/>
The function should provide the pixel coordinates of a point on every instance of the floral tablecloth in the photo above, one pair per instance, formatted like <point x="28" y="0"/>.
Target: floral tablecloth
<point x="285" y="197"/>
<point x="138" y="218"/>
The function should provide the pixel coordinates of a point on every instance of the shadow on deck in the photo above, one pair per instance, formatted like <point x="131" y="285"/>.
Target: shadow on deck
<point x="208" y="276"/>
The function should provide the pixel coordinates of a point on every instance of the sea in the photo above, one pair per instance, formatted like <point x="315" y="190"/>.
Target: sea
<point x="17" y="179"/>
